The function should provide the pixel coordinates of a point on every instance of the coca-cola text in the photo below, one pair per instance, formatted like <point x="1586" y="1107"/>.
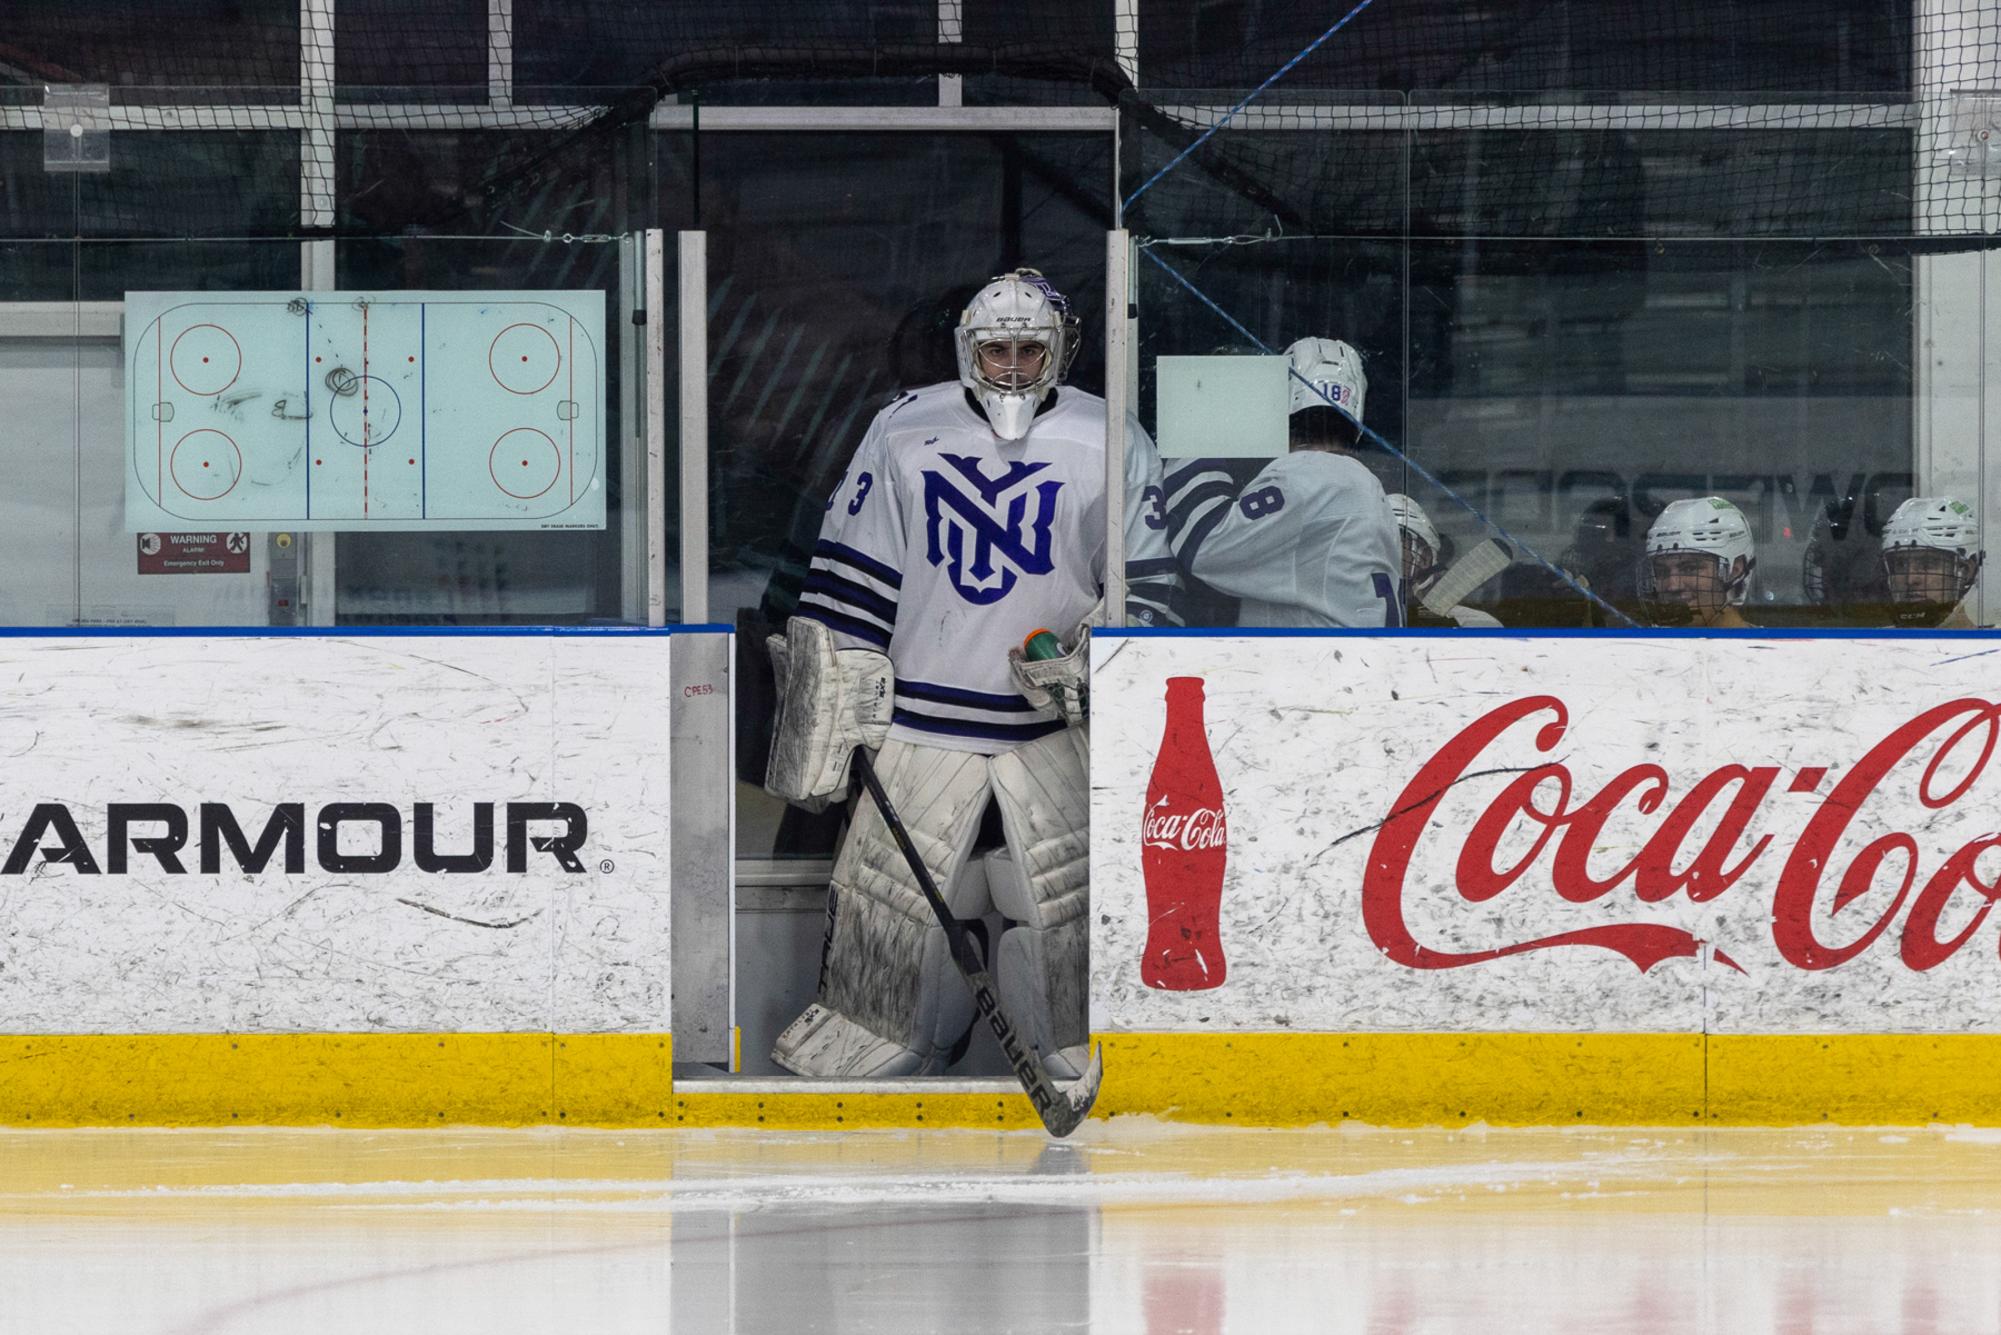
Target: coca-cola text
<point x="1961" y="734"/>
<point x="1200" y="828"/>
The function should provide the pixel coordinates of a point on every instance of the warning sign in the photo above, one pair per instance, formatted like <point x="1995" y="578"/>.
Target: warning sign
<point x="194" y="553"/>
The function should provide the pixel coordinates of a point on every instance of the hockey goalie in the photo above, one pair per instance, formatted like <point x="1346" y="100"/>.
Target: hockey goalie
<point x="971" y="516"/>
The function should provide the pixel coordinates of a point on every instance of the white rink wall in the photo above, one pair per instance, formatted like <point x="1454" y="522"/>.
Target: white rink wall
<point x="398" y="719"/>
<point x="1848" y="917"/>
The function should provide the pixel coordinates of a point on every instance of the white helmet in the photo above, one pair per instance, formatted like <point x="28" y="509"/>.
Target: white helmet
<point x="1713" y="526"/>
<point x="1010" y="314"/>
<point x="1926" y="524"/>
<point x="1327" y="373"/>
<point x="1938" y="522"/>
<point x="1415" y="527"/>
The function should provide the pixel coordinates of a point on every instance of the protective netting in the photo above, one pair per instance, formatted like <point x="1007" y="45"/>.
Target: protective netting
<point x="1405" y="118"/>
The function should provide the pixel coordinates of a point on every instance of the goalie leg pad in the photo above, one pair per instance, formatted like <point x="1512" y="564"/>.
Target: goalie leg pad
<point x="1043" y="886"/>
<point x="891" y="1000"/>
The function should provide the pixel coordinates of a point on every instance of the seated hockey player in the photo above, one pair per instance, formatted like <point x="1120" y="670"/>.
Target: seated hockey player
<point x="1422" y="567"/>
<point x="972" y="514"/>
<point x="1931" y="558"/>
<point x="1309" y="541"/>
<point x="1699" y="564"/>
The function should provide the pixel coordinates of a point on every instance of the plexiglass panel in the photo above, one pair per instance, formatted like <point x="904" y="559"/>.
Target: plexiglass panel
<point x="838" y="266"/>
<point x="1558" y="340"/>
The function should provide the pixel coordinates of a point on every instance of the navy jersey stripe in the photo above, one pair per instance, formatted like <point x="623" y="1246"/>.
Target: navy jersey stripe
<point x="842" y="622"/>
<point x="838" y="607"/>
<point x="1184" y="507"/>
<point x="953" y="695"/>
<point x="868" y="565"/>
<point x="841" y="589"/>
<point x="1191" y="543"/>
<point x="1177" y="478"/>
<point x="990" y="732"/>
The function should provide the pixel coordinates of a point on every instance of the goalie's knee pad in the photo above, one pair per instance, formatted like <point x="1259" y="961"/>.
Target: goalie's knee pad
<point x="1041" y="883"/>
<point x="891" y="1001"/>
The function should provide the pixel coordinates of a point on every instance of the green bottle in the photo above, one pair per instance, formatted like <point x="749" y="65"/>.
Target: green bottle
<point x="1041" y="645"/>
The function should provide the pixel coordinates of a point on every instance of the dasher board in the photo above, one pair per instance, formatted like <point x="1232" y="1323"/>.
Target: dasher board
<point x="322" y="411"/>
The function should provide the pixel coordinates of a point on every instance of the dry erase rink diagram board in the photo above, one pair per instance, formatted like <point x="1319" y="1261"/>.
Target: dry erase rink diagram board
<point x="364" y="410"/>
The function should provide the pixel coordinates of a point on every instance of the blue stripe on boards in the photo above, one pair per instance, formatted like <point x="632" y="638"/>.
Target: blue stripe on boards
<point x="1755" y="633"/>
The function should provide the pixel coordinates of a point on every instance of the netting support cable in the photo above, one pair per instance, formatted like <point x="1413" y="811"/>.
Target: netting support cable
<point x="1375" y="436"/>
<point x="1125" y="38"/>
<point x="1249" y="98"/>
<point x="316" y="86"/>
<point x="951" y="31"/>
<point x="500" y="54"/>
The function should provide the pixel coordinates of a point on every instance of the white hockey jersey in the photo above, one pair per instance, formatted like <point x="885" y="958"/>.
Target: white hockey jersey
<point x="946" y="546"/>
<point x="1309" y="542"/>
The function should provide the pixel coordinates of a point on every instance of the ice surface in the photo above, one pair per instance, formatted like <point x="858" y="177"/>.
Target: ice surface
<point x="1130" y="1226"/>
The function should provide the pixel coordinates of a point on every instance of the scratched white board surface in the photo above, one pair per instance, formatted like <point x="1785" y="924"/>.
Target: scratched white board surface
<point x="364" y="410"/>
<point x="1842" y="900"/>
<point x="450" y="720"/>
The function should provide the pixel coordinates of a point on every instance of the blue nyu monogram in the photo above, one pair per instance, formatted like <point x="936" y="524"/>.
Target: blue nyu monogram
<point x="955" y="521"/>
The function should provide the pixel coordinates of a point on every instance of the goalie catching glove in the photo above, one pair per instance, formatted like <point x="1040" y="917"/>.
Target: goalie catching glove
<point x="1062" y="683"/>
<point x="829" y="702"/>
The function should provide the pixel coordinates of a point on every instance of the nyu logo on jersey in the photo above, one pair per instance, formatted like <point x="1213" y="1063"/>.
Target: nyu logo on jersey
<point x="988" y="537"/>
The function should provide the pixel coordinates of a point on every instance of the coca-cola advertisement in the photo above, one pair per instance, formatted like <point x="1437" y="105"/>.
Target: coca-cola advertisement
<point x="1618" y="833"/>
<point x="1184" y="852"/>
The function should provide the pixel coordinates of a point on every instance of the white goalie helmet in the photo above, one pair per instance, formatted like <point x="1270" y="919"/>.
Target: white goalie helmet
<point x="1931" y="550"/>
<point x="1015" y="342"/>
<point x="1713" y="527"/>
<point x="1327" y="373"/>
<point x="1420" y="538"/>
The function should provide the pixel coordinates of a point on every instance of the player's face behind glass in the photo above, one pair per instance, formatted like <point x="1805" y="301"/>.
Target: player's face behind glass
<point x="1688" y="588"/>
<point x="1924" y="575"/>
<point x="1419" y="561"/>
<point x="1012" y="363"/>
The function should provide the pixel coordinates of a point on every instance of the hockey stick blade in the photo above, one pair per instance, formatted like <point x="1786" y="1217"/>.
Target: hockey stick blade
<point x="1468" y="573"/>
<point x="1060" y="1108"/>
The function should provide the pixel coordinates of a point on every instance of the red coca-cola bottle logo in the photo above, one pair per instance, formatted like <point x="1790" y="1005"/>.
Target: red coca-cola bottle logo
<point x="1184" y="849"/>
<point x="1200" y="828"/>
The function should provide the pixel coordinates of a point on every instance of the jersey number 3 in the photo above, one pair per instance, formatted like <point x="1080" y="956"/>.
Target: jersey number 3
<point x="862" y="485"/>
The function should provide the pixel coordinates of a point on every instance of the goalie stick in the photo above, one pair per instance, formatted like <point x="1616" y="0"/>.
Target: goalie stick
<point x="1061" y="1109"/>
<point x="1468" y="573"/>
